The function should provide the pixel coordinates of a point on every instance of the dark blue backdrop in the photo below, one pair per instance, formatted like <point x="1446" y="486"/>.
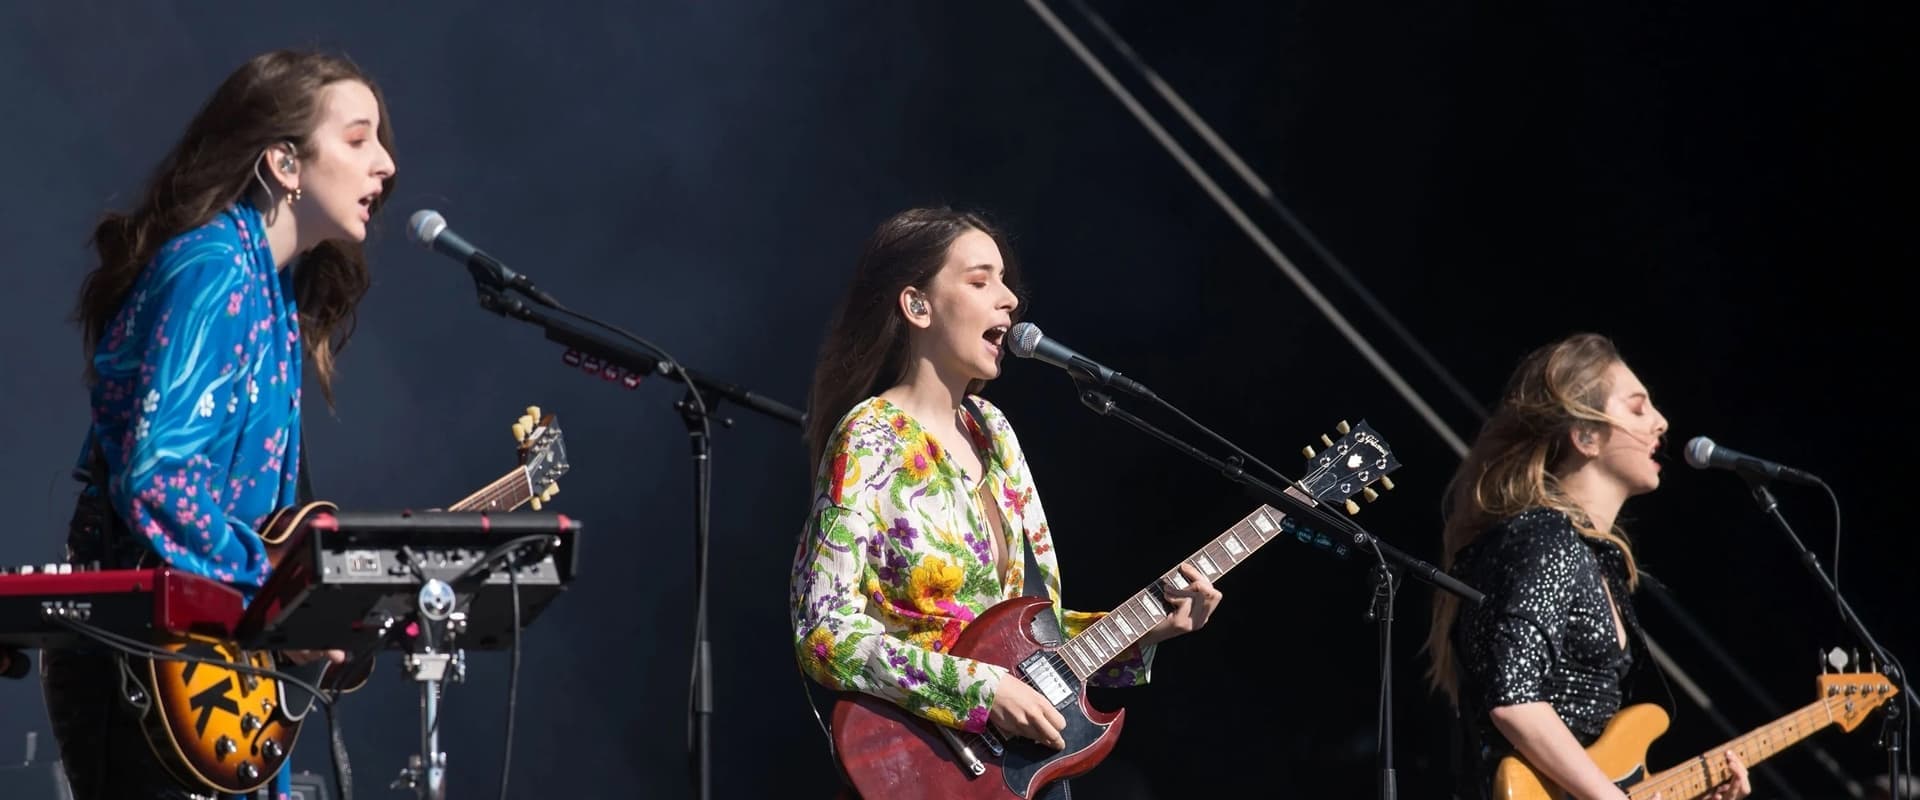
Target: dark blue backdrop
<point x="1708" y="185"/>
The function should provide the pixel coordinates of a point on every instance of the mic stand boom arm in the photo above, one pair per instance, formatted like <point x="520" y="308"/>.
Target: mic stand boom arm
<point x="1381" y="610"/>
<point x="1892" y="730"/>
<point x="703" y="393"/>
<point x="1291" y="496"/>
<point x="567" y="328"/>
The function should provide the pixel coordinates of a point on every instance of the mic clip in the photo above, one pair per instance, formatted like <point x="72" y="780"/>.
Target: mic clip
<point x="488" y="270"/>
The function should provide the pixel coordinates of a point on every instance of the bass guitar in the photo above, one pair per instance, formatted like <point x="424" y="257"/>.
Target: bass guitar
<point x="1621" y="751"/>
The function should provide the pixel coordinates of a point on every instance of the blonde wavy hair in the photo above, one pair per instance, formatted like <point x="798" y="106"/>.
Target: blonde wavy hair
<point x="1557" y="390"/>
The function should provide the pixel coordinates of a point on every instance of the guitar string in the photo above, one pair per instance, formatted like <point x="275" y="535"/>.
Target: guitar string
<point x="1312" y="476"/>
<point x="970" y="739"/>
<point x="1699" y="775"/>
<point x="1082" y="654"/>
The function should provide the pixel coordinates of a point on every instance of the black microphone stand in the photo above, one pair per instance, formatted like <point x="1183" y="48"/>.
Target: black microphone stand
<point x="1891" y="731"/>
<point x="1383" y="576"/>
<point x="696" y="409"/>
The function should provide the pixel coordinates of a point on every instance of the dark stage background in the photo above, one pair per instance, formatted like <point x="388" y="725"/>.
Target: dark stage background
<point x="1711" y="185"/>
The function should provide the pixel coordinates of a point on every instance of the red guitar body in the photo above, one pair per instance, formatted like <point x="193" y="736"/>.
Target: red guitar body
<point x="888" y="754"/>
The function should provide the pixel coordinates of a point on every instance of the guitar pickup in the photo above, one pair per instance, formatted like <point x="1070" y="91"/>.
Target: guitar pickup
<point x="1042" y="674"/>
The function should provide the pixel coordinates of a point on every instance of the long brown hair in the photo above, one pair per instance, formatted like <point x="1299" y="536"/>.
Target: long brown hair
<point x="1557" y="389"/>
<point x="866" y="345"/>
<point x="271" y="99"/>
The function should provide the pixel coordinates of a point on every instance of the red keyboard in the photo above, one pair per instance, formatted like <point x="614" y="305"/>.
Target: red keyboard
<point x="144" y="604"/>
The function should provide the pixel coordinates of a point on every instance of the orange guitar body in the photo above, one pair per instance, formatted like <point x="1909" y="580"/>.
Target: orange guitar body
<point x="230" y="731"/>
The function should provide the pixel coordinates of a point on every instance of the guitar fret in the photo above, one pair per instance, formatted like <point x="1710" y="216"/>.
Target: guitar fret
<point x="1077" y="658"/>
<point x="1235" y="547"/>
<point x="1265" y="527"/>
<point x="1706" y="771"/>
<point x="1140" y="616"/>
<point x="1153" y="608"/>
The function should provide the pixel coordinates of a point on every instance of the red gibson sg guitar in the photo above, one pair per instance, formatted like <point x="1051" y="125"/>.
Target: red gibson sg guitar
<point x="886" y="753"/>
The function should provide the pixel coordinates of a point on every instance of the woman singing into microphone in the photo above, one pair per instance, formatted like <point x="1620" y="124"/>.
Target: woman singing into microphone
<point x="1540" y="666"/>
<point x="924" y="508"/>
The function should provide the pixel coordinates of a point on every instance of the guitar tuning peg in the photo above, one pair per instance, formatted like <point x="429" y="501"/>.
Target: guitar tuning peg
<point x="1307" y="451"/>
<point x="1838" y="658"/>
<point x="535" y="503"/>
<point x="519" y="432"/>
<point x="1856" y="659"/>
<point x="1352" y="507"/>
<point x="1324" y="441"/>
<point x="1343" y="428"/>
<point x="1370" y="494"/>
<point x="552" y="489"/>
<point x="533" y="411"/>
<point x="1386" y="483"/>
<point x="1823" y="662"/>
<point x="527" y="420"/>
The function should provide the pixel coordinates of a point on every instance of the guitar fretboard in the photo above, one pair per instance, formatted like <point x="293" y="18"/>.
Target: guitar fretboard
<point x="1105" y="639"/>
<point x="504" y="494"/>
<point x="1709" y="769"/>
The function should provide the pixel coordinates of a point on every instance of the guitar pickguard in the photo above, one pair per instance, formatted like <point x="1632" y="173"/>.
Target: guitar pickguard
<point x="1024" y="759"/>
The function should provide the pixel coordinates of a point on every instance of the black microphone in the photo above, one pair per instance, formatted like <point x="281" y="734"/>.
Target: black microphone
<point x="1702" y="453"/>
<point x="429" y="228"/>
<point x="1026" y="341"/>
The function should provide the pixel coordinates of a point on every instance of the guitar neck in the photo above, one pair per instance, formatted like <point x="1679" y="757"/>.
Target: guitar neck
<point x="1709" y="769"/>
<point x="505" y="494"/>
<point x="1129" y="622"/>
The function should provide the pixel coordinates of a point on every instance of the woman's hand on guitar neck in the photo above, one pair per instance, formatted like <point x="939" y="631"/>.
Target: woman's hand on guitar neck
<point x="1188" y="609"/>
<point x="1020" y="712"/>
<point x="303" y="657"/>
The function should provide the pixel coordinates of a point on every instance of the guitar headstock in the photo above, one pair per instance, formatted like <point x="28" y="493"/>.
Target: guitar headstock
<point x="1857" y="693"/>
<point x="542" y="453"/>
<point x="1349" y="466"/>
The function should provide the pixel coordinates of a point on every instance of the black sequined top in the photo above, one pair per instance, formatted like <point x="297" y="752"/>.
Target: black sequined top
<point x="1544" y="633"/>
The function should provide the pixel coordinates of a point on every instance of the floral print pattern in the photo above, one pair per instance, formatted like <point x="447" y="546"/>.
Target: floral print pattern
<point x="897" y="558"/>
<point x="196" y="405"/>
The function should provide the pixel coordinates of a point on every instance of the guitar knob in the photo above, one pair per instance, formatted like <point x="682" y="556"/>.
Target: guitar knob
<point x="248" y="772"/>
<point x="224" y="747"/>
<point x="249" y="723"/>
<point x="273" y="749"/>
